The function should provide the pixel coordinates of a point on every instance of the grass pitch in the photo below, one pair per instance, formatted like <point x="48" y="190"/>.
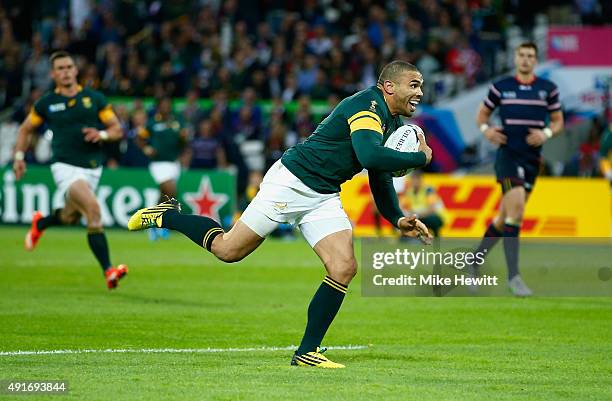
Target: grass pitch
<point x="177" y="296"/>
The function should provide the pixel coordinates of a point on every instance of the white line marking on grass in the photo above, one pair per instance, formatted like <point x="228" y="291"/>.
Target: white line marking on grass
<point x="169" y="350"/>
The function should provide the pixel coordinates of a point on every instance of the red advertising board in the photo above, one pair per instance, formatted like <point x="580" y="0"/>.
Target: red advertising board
<point x="580" y="46"/>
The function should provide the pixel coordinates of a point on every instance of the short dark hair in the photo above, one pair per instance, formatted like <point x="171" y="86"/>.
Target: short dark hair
<point x="391" y="71"/>
<point x="58" y="54"/>
<point x="528" y="45"/>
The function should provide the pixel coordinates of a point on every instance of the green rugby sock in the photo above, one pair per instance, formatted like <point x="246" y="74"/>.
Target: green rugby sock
<point x="321" y="312"/>
<point x="49" y="221"/>
<point x="201" y="230"/>
<point x="99" y="247"/>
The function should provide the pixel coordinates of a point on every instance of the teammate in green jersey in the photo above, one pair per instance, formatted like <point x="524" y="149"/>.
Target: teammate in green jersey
<point x="303" y="189"/>
<point x="163" y="141"/>
<point x="80" y="119"/>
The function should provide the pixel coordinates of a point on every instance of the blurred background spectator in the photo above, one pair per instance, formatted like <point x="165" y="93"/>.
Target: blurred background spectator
<point x="421" y="199"/>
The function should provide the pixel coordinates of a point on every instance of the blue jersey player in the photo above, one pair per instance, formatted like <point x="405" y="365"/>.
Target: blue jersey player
<point x="530" y="114"/>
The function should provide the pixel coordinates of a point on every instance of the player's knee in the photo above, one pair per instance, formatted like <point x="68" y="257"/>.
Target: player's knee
<point x="515" y="212"/>
<point x="351" y="269"/>
<point x="68" y="218"/>
<point x="498" y="221"/>
<point x="343" y="268"/>
<point x="226" y="253"/>
<point x="229" y="257"/>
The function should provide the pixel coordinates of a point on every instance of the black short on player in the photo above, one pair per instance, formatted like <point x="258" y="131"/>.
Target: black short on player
<point x="521" y="106"/>
<point x="513" y="170"/>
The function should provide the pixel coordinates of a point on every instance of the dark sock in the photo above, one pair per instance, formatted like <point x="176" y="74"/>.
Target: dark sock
<point x="99" y="247"/>
<point x="51" y="220"/>
<point x="490" y="238"/>
<point x="201" y="230"/>
<point x="511" y="248"/>
<point x="321" y="312"/>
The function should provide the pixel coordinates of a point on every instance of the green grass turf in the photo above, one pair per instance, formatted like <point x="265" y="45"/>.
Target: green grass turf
<point x="178" y="296"/>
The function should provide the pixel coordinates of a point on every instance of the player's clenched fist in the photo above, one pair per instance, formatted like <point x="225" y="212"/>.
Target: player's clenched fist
<point x="93" y="135"/>
<point x="410" y="226"/>
<point x="495" y="135"/>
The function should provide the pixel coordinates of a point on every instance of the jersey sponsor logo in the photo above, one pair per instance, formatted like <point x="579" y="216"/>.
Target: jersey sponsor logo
<point x="373" y="105"/>
<point x="86" y="102"/>
<point x="509" y="95"/>
<point x="159" y="126"/>
<point x="280" y="206"/>
<point x="53" y="108"/>
<point x="525" y="87"/>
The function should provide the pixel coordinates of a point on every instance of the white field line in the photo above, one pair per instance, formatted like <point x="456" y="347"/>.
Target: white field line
<point x="169" y="350"/>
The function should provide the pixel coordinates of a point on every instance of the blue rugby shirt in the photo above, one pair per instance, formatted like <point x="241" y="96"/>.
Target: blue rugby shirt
<point x="523" y="106"/>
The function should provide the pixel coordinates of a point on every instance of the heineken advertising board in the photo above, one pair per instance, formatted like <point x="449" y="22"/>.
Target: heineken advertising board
<point x="120" y="192"/>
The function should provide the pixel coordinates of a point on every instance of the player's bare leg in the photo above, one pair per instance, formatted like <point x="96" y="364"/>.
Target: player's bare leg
<point x="498" y="220"/>
<point x="235" y="244"/>
<point x="514" y="204"/>
<point x="230" y="246"/>
<point x="84" y="200"/>
<point x="338" y="256"/>
<point x="167" y="188"/>
<point x="70" y="213"/>
<point x="81" y="197"/>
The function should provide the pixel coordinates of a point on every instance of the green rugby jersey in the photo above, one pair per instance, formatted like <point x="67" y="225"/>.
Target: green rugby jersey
<point x="66" y="117"/>
<point x="165" y="137"/>
<point x="327" y="158"/>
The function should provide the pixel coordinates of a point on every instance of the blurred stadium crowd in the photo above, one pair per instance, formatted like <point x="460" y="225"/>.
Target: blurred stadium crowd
<point x="238" y="52"/>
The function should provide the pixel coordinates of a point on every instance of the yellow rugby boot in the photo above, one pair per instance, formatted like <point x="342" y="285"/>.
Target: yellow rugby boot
<point x="151" y="217"/>
<point x="315" y="359"/>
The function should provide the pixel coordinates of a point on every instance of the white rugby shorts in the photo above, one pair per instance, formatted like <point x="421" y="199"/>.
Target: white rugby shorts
<point x="164" y="171"/>
<point x="65" y="175"/>
<point x="284" y="198"/>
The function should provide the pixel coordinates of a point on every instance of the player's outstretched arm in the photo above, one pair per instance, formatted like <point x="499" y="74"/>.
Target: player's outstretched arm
<point x="381" y="185"/>
<point x="373" y="155"/>
<point x="26" y="129"/>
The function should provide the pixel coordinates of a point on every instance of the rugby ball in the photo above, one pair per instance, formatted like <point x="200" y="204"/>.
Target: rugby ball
<point x="404" y="139"/>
